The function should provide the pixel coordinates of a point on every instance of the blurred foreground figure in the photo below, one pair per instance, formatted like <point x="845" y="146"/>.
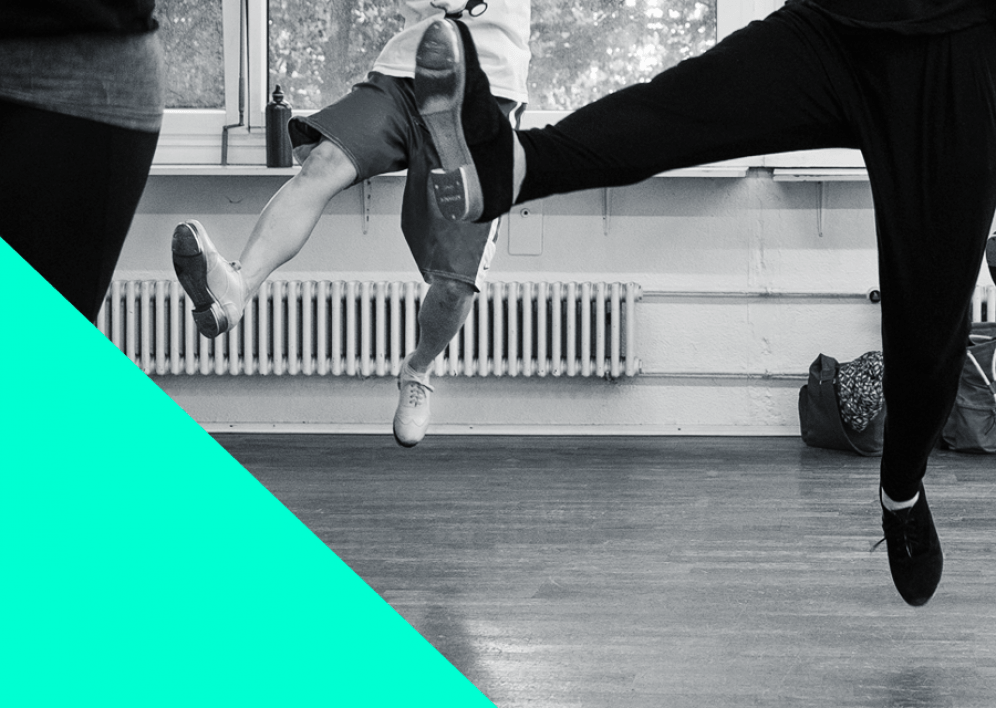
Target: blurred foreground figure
<point x="81" y="103"/>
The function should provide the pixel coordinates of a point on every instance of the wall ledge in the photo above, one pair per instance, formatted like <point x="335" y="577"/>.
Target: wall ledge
<point x="503" y="430"/>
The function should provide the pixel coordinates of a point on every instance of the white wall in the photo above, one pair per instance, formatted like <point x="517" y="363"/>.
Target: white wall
<point x="719" y="356"/>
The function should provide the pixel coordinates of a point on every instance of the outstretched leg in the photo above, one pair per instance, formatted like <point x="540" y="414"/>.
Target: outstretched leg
<point x="220" y="289"/>
<point x="287" y="221"/>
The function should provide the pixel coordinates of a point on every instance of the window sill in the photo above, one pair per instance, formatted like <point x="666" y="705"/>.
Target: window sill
<point x="163" y="170"/>
<point x="221" y="171"/>
<point x="191" y="144"/>
<point x="823" y="174"/>
<point x="806" y="166"/>
<point x="779" y="174"/>
<point x="717" y="170"/>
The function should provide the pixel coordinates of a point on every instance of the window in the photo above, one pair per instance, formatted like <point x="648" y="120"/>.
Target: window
<point x="225" y="57"/>
<point x="584" y="50"/>
<point x="318" y="49"/>
<point x="191" y="34"/>
<point x="581" y="50"/>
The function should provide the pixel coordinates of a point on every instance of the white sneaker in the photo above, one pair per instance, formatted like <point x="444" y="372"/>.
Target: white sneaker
<point x="411" y="420"/>
<point x="215" y="287"/>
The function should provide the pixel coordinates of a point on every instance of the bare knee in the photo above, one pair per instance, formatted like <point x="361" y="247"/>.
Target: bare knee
<point x="327" y="166"/>
<point x="452" y="292"/>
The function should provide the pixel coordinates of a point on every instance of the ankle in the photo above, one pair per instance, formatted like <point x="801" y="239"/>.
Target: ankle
<point x="251" y="280"/>
<point x="896" y="504"/>
<point x="417" y="365"/>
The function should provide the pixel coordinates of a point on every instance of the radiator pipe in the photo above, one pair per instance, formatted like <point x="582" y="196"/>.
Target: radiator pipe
<point x="874" y="296"/>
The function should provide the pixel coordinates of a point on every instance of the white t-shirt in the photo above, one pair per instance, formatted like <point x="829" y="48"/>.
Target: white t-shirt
<point x="501" y="35"/>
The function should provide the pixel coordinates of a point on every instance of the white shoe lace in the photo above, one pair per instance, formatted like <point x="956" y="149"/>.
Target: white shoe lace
<point x="416" y="393"/>
<point x="417" y="384"/>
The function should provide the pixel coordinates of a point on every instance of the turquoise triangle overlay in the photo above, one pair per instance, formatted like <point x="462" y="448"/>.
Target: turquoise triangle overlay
<point x="143" y="566"/>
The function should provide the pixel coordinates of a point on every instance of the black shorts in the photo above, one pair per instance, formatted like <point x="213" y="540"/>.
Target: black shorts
<point x="378" y="127"/>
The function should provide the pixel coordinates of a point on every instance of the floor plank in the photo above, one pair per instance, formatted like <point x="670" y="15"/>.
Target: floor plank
<point x="632" y="572"/>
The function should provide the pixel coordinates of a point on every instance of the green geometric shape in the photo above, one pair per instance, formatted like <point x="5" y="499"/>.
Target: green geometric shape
<point x="144" y="566"/>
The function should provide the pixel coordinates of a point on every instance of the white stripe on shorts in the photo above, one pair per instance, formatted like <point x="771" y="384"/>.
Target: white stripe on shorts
<point x="514" y="116"/>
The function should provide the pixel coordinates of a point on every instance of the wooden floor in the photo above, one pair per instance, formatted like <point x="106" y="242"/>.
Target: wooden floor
<point x="631" y="572"/>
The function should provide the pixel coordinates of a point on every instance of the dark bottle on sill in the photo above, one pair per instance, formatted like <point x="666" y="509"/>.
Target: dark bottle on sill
<point x="278" y="144"/>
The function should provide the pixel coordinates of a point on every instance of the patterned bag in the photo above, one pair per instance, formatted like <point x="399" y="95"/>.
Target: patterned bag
<point x="842" y="406"/>
<point x="971" y="427"/>
<point x="859" y="390"/>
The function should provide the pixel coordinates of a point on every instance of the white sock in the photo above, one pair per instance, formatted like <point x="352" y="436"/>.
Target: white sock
<point x="892" y="505"/>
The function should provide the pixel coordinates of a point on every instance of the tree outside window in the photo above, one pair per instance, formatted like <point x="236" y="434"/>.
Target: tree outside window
<point x="191" y="34"/>
<point x="582" y="49"/>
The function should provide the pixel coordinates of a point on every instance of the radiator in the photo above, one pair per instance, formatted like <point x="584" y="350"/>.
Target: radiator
<point x="339" y="328"/>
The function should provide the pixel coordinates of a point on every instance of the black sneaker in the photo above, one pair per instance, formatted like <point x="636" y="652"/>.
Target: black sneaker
<point x="915" y="557"/>
<point x="471" y="135"/>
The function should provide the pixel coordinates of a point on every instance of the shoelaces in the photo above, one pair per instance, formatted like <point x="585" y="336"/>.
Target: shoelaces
<point x="416" y="391"/>
<point x="900" y="527"/>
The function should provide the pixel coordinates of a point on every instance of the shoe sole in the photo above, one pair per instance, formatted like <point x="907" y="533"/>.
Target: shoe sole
<point x="401" y="442"/>
<point x="191" y="269"/>
<point x="440" y="79"/>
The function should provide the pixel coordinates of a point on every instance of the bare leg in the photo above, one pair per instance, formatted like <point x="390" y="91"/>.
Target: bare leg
<point x="288" y="219"/>
<point x="443" y="312"/>
<point x="218" y="289"/>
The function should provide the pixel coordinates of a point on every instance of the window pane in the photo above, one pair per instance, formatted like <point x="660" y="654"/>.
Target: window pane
<point x="582" y="49"/>
<point x="319" y="48"/>
<point x="192" y="38"/>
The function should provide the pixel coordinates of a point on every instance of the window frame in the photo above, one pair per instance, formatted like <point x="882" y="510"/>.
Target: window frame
<point x="234" y="137"/>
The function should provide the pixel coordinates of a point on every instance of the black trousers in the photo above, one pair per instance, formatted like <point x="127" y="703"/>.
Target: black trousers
<point x="68" y="191"/>
<point x="922" y="109"/>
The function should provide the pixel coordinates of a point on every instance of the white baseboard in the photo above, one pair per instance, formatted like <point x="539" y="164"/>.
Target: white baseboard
<point x="566" y="430"/>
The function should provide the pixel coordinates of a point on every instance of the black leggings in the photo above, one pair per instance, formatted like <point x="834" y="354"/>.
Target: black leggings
<point x="922" y="109"/>
<point x="68" y="190"/>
